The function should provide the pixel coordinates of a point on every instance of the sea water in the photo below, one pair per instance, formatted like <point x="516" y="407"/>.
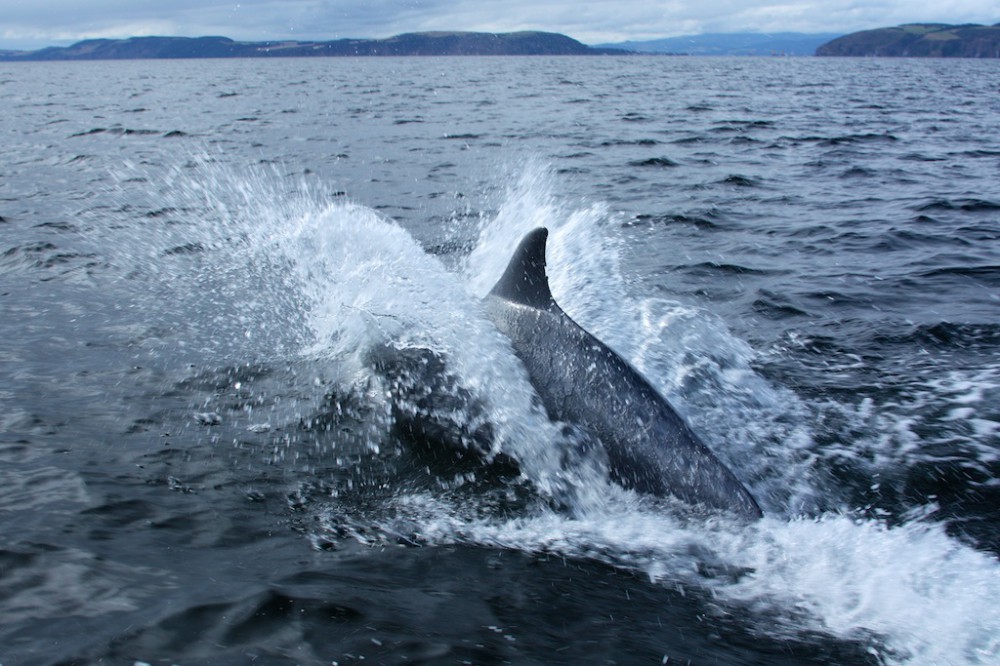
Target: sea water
<point x="201" y="262"/>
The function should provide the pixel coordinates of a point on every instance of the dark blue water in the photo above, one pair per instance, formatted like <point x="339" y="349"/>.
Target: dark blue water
<point x="199" y="458"/>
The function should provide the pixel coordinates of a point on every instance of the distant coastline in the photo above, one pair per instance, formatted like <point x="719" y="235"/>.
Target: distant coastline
<point x="410" y="44"/>
<point x="915" y="40"/>
<point x="732" y="44"/>
<point x="919" y="40"/>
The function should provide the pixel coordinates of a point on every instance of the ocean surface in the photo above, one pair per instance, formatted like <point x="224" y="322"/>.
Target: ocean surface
<point x="202" y="261"/>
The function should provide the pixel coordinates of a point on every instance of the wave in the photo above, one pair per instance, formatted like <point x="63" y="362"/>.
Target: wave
<point x="121" y="131"/>
<point x="965" y="205"/>
<point x="726" y="126"/>
<point x="946" y="334"/>
<point x="740" y="181"/>
<point x="848" y="139"/>
<point x="856" y="580"/>
<point x="968" y="271"/>
<point x="658" y="162"/>
<point x="316" y="288"/>
<point x="613" y="143"/>
<point x="730" y="269"/>
<point x="707" y="221"/>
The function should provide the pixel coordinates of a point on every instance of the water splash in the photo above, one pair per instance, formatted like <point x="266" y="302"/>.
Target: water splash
<point x="281" y="270"/>
<point x="854" y="579"/>
<point x="912" y="594"/>
<point x="284" y="270"/>
<point x="685" y="352"/>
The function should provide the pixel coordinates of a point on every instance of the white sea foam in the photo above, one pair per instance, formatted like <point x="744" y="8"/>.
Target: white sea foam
<point x="912" y="593"/>
<point x="915" y="594"/>
<point x="370" y="284"/>
<point x="918" y="595"/>
<point x="333" y="281"/>
<point x="685" y="352"/>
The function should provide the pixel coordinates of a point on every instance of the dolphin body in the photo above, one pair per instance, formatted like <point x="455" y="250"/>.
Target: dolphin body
<point x="583" y="382"/>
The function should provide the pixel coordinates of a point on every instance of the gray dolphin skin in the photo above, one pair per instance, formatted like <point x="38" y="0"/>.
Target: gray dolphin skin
<point x="582" y="382"/>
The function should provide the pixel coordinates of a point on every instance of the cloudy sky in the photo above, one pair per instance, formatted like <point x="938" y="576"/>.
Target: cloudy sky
<point x="36" y="23"/>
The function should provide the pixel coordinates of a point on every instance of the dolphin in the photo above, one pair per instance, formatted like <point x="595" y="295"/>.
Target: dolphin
<point x="581" y="381"/>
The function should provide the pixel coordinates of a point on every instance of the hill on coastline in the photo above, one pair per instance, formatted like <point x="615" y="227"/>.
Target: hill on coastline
<point x="919" y="40"/>
<point x="732" y="44"/>
<point x="410" y="44"/>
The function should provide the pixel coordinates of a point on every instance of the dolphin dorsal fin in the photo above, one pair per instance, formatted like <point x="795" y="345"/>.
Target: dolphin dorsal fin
<point x="525" y="281"/>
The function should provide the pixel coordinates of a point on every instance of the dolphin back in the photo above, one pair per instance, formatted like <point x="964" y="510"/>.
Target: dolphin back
<point x="580" y="380"/>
